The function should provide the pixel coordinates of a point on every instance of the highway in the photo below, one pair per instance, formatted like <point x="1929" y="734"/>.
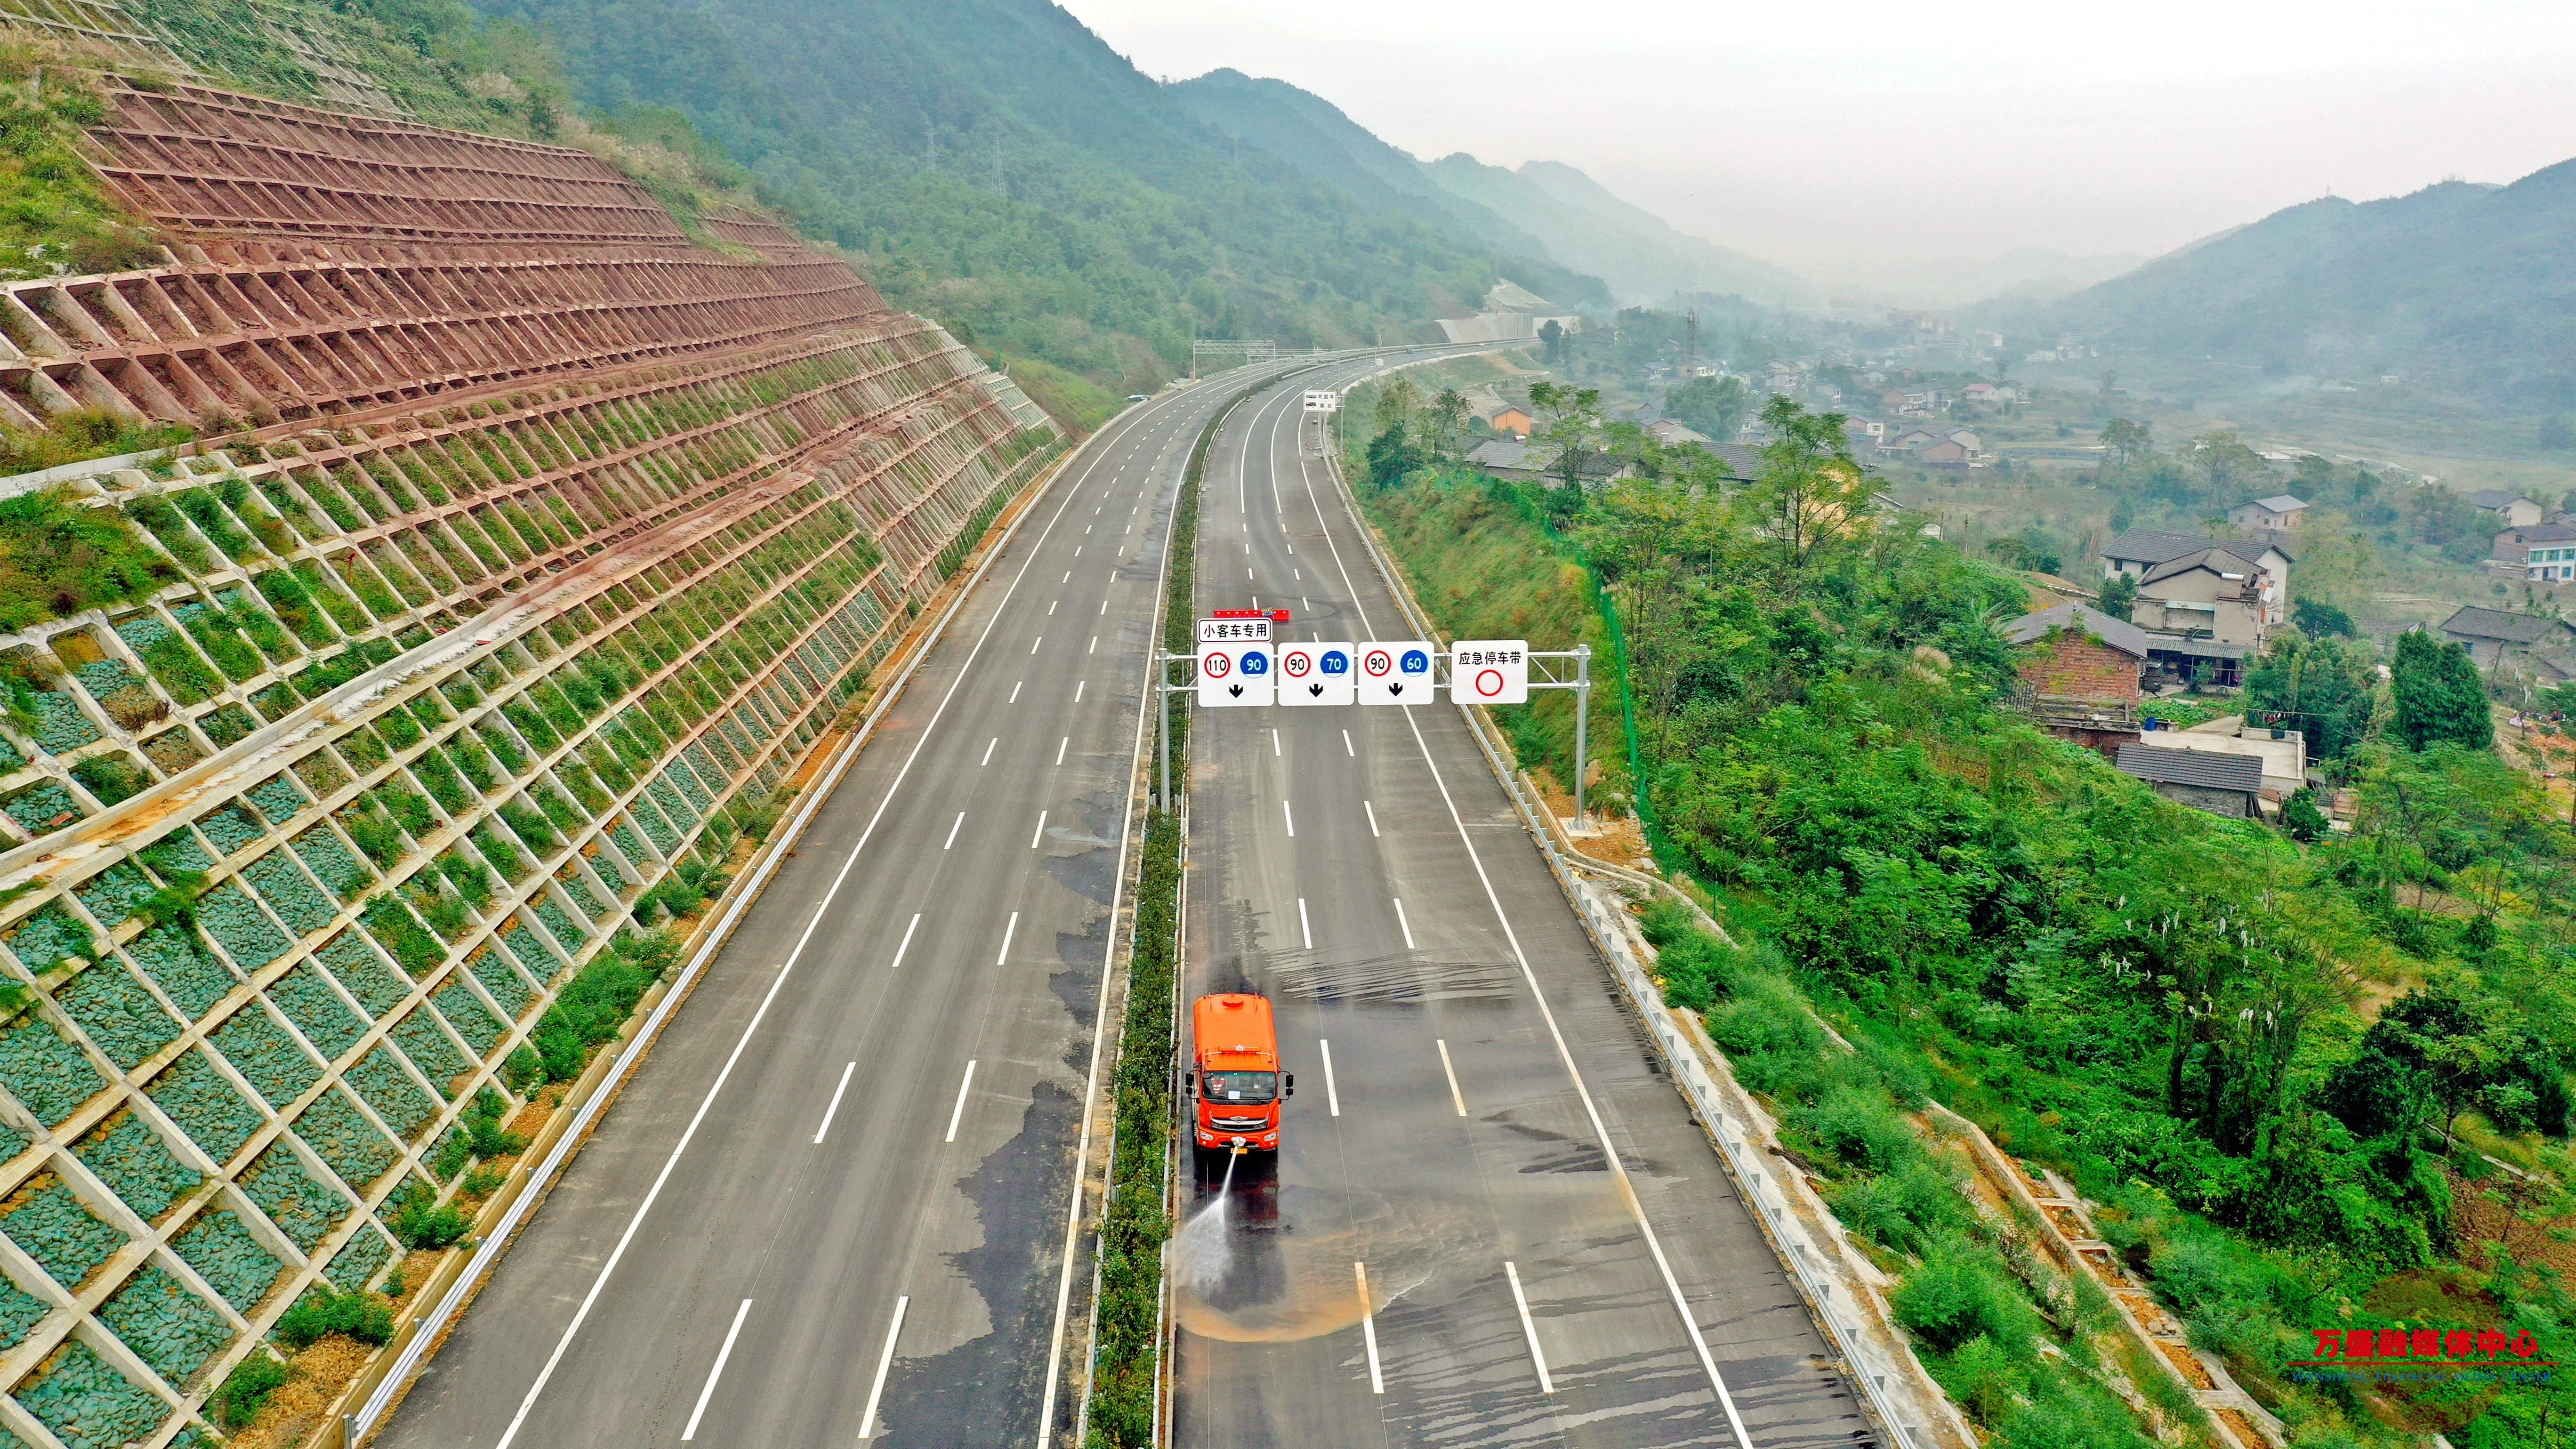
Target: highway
<point x="841" y="1181"/>
<point x="1444" y="1252"/>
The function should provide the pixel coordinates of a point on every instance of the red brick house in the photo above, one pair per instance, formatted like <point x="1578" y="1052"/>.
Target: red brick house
<point x="2081" y="668"/>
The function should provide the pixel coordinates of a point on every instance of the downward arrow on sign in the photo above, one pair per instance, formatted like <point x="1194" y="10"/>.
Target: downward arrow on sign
<point x="1235" y="689"/>
<point x="1314" y="689"/>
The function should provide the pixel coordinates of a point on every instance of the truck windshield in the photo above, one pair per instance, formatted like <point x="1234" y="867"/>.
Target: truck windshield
<point x="1252" y="1087"/>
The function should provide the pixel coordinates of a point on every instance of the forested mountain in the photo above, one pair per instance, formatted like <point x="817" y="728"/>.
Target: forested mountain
<point x="997" y="165"/>
<point x="2464" y="286"/>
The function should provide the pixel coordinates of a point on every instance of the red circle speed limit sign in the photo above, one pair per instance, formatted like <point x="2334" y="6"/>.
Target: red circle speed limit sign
<point x="1378" y="663"/>
<point x="1296" y="662"/>
<point x="1489" y="683"/>
<point x="1217" y="663"/>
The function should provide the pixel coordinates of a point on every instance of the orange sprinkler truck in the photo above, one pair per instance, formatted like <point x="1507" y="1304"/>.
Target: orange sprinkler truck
<point x="1236" y="1084"/>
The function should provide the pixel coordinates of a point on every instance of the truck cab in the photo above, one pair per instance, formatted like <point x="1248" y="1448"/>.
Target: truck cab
<point x="1234" y="1083"/>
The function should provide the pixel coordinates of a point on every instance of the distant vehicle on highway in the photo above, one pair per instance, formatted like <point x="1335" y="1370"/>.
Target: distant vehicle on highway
<point x="1135" y="397"/>
<point x="1236" y="1086"/>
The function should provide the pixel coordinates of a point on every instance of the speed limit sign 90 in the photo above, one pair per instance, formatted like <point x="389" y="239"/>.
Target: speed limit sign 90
<point x="1489" y="671"/>
<point x="1395" y="671"/>
<point x="1234" y="673"/>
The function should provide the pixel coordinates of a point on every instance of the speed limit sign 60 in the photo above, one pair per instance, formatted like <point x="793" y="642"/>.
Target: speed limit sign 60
<point x="1395" y="671"/>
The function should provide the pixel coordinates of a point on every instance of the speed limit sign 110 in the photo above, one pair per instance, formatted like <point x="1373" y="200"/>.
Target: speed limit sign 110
<point x="1489" y="671"/>
<point x="1396" y="671"/>
<point x="1234" y="673"/>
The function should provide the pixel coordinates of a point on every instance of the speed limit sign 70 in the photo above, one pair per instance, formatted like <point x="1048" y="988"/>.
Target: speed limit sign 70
<point x="1396" y="671"/>
<point x="1315" y="674"/>
<point x="1489" y="671"/>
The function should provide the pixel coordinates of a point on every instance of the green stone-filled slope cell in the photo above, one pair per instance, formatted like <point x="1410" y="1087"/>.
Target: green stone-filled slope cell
<point x="363" y="973"/>
<point x="214" y="1114"/>
<point x="499" y="978"/>
<point x="277" y="798"/>
<point x="113" y="893"/>
<point x="359" y="1259"/>
<point x="246" y="935"/>
<point x="558" y="925"/>
<point x="533" y="957"/>
<point x="177" y="852"/>
<point x="118" y="1013"/>
<point x="331" y="862"/>
<point x="220" y="1247"/>
<point x="178" y="962"/>
<point x="20" y="1311"/>
<point x="265" y="1055"/>
<point x="317" y="1011"/>
<point x="343" y="1137"/>
<point x="49" y="936"/>
<point x="167" y="1325"/>
<point x="60" y="725"/>
<point x="297" y="901"/>
<point x="302" y="1208"/>
<point x="379" y="1078"/>
<point x="228" y="828"/>
<point x="87" y="1403"/>
<point x="55" y="1229"/>
<point x="137" y="1165"/>
<point x="430" y="1049"/>
<point x="45" y="1072"/>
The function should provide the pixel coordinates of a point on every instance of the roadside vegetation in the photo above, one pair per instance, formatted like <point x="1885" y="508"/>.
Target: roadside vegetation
<point x="2310" y="1077"/>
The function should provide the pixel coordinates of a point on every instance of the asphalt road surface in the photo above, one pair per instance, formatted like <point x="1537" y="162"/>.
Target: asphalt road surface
<point x="1442" y="1252"/>
<point x="841" y="1180"/>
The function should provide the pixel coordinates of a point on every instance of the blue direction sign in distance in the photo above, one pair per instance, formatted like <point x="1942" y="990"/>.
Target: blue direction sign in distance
<point x="1395" y="671"/>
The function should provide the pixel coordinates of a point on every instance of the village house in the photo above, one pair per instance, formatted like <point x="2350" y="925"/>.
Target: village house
<point x="2276" y="514"/>
<point x="2229" y="785"/>
<point x="2283" y="751"/>
<point x="2534" y="643"/>
<point x="2081" y="667"/>
<point x="2510" y="508"/>
<point x="2542" y="553"/>
<point x="1509" y="419"/>
<point x="1537" y="463"/>
<point x="1957" y="448"/>
<point x="2141" y="550"/>
<point x="1910" y="401"/>
<point x="1672" y="434"/>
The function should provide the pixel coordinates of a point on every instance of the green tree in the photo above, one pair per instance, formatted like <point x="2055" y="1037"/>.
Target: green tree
<point x="2323" y="687"/>
<point x="1712" y="406"/>
<point x="2124" y="442"/>
<point x="2439" y="697"/>
<point x="1445" y="416"/>
<point x="1811" y="495"/>
<point x="2119" y="596"/>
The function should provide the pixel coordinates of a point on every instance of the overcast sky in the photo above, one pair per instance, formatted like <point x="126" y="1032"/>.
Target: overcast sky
<point x="1900" y="130"/>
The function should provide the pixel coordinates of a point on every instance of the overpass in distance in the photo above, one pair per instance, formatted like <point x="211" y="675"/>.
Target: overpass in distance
<point x="834" y="1209"/>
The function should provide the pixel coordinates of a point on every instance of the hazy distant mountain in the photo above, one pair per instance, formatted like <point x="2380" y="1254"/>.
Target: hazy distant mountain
<point x="2034" y="274"/>
<point x="2469" y="287"/>
<point x="1545" y="208"/>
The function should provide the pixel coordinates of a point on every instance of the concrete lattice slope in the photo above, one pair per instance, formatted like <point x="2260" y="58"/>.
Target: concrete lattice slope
<point x="553" y="542"/>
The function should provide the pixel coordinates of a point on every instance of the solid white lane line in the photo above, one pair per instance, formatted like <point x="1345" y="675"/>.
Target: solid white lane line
<point x="1372" y="815"/>
<point x="1060" y="746"/>
<point x="959" y="1111"/>
<point x="906" y="944"/>
<point x="1078" y="686"/>
<point x="1529" y="1330"/>
<point x="1292" y="818"/>
<point x="836" y="1096"/>
<point x="988" y="752"/>
<point x="1304" y="926"/>
<point x="1401" y="921"/>
<point x="1346" y="745"/>
<point x="1368" y="1329"/>
<point x="1456" y="1098"/>
<point x="1007" y="932"/>
<point x="1274" y="744"/>
<point x="885" y="1361"/>
<point x="1040" y="835"/>
<point x="1034" y="643"/>
<point x="1332" y="1094"/>
<point x="726" y="1352"/>
<point x="1015" y="691"/>
<point x="952" y="830"/>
